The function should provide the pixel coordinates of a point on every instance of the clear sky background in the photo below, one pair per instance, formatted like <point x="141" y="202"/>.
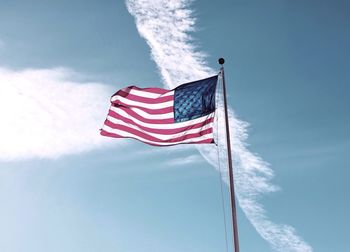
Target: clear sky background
<point x="65" y="188"/>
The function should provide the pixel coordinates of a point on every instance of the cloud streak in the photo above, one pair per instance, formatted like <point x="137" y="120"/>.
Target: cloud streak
<point x="166" y="27"/>
<point x="46" y="113"/>
<point x="195" y="158"/>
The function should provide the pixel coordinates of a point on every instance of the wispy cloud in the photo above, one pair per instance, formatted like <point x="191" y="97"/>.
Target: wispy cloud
<point x="164" y="151"/>
<point x="46" y="113"/>
<point x="195" y="158"/>
<point x="166" y="27"/>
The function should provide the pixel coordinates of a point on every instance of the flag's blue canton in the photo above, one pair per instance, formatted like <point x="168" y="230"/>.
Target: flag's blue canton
<point x="194" y="99"/>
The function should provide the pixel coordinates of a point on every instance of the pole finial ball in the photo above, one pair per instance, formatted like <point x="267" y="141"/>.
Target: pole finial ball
<point x="221" y="61"/>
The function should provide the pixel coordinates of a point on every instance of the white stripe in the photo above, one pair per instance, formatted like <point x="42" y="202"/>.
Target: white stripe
<point x="165" y="125"/>
<point x="147" y="94"/>
<point x="145" y="114"/>
<point x="160" y="136"/>
<point x="128" y="134"/>
<point x="142" y="104"/>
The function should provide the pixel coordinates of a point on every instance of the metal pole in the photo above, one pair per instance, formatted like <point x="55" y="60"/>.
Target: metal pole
<point x="230" y="169"/>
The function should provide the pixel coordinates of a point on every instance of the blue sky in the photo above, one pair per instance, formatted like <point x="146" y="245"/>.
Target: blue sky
<point x="65" y="188"/>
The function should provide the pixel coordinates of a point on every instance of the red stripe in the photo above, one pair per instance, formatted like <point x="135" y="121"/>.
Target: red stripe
<point x="144" y="99"/>
<point x="105" y="133"/>
<point x="158" y="131"/>
<point x="147" y="110"/>
<point x="154" y="139"/>
<point x="140" y="118"/>
<point x="150" y="90"/>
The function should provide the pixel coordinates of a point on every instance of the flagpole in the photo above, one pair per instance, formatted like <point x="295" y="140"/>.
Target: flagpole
<point x="229" y="156"/>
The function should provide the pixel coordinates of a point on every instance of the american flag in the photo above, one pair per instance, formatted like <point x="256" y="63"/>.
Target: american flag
<point x="163" y="117"/>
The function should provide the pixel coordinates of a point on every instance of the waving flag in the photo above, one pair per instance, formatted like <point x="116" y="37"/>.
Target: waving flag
<point x="163" y="117"/>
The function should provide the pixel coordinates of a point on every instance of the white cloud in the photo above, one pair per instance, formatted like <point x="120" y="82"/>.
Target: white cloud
<point x="166" y="25"/>
<point x="185" y="160"/>
<point x="46" y="114"/>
